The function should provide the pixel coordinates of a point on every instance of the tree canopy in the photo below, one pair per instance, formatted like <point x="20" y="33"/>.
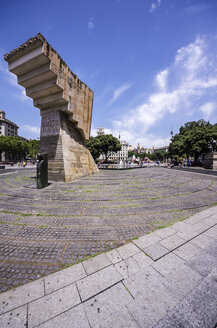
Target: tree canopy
<point x="18" y="148"/>
<point x="194" y="139"/>
<point x="103" y="144"/>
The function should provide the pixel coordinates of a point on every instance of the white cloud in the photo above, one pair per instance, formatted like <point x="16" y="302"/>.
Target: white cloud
<point x="208" y="109"/>
<point x="154" y="6"/>
<point x="118" y="92"/>
<point x="190" y="77"/>
<point x="161" y="79"/>
<point x="32" y="129"/>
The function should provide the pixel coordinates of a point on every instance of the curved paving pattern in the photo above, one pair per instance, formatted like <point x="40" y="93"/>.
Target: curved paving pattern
<point x="46" y="230"/>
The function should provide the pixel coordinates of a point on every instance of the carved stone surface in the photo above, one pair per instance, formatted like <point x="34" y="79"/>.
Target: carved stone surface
<point x="42" y="171"/>
<point x="210" y="161"/>
<point x="65" y="105"/>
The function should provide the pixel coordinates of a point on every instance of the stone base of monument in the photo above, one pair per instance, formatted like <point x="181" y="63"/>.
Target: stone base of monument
<point x="210" y="161"/>
<point x="68" y="157"/>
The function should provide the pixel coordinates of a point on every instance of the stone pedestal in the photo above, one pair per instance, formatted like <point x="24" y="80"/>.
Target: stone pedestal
<point x="65" y="105"/>
<point x="210" y="161"/>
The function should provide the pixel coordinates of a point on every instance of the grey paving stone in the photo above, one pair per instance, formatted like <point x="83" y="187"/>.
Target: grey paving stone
<point x="63" y="278"/>
<point x="147" y="240"/>
<point x="15" y="318"/>
<point x="21" y="295"/>
<point x="156" y="251"/>
<point x="182" y="281"/>
<point x="200" y="306"/>
<point x="212" y="232"/>
<point x="187" y="251"/>
<point x="96" y="263"/>
<point x="181" y="226"/>
<point x="97" y="282"/>
<point x="172" y="242"/>
<point x="108" y="309"/>
<point x="198" y="217"/>
<point x="187" y="234"/>
<point x="127" y="250"/>
<point x="202" y="241"/>
<point x="114" y="256"/>
<point x="166" y="232"/>
<point x="52" y="305"/>
<point x="75" y="317"/>
<point x="211" y="220"/>
<point x="174" y="319"/>
<point x="142" y="260"/>
<point x="127" y="267"/>
<point x="152" y="297"/>
<point x="168" y="264"/>
<point x="200" y="227"/>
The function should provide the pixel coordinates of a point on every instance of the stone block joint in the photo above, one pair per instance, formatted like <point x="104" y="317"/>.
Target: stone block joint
<point x="65" y="105"/>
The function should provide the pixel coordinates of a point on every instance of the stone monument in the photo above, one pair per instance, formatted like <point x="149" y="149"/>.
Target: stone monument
<point x="42" y="171"/>
<point x="65" y="105"/>
<point x="210" y="161"/>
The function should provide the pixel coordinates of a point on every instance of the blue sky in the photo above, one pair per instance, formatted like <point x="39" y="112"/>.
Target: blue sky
<point x="151" y="64"/>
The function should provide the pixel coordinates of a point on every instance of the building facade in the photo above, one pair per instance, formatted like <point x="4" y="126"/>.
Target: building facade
<point x="7" y="128"/>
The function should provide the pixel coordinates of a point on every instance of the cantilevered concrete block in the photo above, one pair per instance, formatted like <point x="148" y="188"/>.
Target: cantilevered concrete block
<point x="65" y="105"/>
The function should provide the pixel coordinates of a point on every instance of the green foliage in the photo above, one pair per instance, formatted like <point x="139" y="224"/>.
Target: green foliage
<point x="33" y="148"/>
<point x="17" y="148"/>
<point x="159" y="155"/>
<point x="103" y="144"/>
<point x="194" y="139"/>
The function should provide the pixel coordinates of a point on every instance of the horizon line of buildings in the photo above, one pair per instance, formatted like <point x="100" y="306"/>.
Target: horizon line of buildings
<point x="125" y="147"/>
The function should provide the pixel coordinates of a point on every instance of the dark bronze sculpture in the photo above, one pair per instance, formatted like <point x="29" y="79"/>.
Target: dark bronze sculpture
<point x="42" y="170"/>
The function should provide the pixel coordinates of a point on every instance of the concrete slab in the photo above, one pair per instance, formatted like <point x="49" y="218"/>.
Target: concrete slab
<point x="181" y="282"/>
<point x="75" y="317"/>
<point x="168" y="263"/>
<point x="15" y="318"/>
<point x="51" y="305"/>
<point x="165" y="232"/>
<point x="63" y="278"/>
<point x="97" y="282"/>
<point x="187" y="234"/>
<point x="172" y="242"/>
<point x="211" y="220"/>
<point x="212" y="232"/>
<point x="114" y="256"/>
<point x="200" y="227"/>
<point x="96" y="263"/>
<point x="21" y="295"/>
<point x="146" y="240"/>
<point x="152" y="297"/>
<point x="142" y="260"/>
<point x="200" y="306"/>
<point x="127" y="250"/>
<point x="187" y="251"/>
<point x="108" y="309"/>
<point x="127" y="267"/>
<point x="181" y="226"/>
<point x="202" y="241"/>
<point x="156" y="251"/>
<point x="205" y="261"/>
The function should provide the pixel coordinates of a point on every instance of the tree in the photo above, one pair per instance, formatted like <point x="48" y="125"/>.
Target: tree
<point x="103" y="144"/>
<point x="16" y="148"/>
<point x="194" y="139"/>
<point x="159" y="155"/>
<point x="33" y="148"/>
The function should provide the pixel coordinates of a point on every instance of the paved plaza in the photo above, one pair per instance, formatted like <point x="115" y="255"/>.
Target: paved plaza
<point x="43" y="231"/>
<point x="165" y="279"/>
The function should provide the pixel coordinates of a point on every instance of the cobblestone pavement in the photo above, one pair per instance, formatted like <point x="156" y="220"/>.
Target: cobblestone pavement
<point x="43" y="231"/>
